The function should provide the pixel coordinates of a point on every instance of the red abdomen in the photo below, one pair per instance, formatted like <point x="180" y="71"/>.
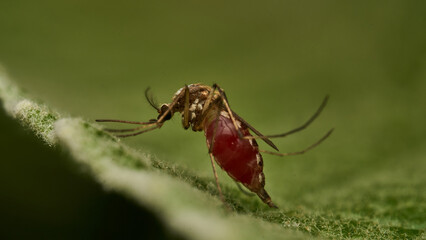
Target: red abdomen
<point x="240" y="158"/>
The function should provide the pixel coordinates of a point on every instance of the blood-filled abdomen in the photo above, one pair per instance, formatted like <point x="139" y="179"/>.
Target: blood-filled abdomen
<point x="239" y="157"/>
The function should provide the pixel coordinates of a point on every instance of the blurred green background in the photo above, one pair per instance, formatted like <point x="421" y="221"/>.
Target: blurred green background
<point x="275" y="59"/>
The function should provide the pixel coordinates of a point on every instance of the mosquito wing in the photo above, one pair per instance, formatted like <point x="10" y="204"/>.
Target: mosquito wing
<point x="269" y="142"/>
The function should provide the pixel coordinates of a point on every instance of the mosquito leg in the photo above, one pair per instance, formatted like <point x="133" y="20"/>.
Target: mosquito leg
<point x="145" y="125"/>
<point x="158" y="122"/>
<point x="201" y="121"/>
<point x="122" y="121"/>
<point x="123" y="130"/>
<point x="228" y="109"/>
<point x="206" y="108"/>
<point x="222" y="198"/>
<point x="140" y="132"/>
<point x="247" y="193"/>
<point x="212" y="160"/>
<point x="209" y="99"/>
<point x="304" y="150"/>
<point x="185" y="120"/>
<point x="316" y="114"/>
<point x="214" y="133"/>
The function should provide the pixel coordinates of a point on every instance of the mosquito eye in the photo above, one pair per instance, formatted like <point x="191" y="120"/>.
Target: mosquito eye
<point x="163" y="109"/>
<point x="168" y="116"/>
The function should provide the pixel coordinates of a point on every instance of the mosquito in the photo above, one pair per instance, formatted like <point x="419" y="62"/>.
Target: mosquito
<point x="229" y="141"/>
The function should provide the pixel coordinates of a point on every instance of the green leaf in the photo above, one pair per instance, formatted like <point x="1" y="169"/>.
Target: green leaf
<point x="189" y="204"/>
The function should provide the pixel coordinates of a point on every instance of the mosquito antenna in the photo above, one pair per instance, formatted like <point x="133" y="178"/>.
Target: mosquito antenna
<point x="151" y="99"/>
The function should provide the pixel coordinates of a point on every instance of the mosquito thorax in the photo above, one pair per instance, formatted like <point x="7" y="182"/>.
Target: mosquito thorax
<point x="198" y="95"/>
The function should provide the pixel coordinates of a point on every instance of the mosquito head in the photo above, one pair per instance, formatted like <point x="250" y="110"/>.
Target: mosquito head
<point x="163" y="109"/>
